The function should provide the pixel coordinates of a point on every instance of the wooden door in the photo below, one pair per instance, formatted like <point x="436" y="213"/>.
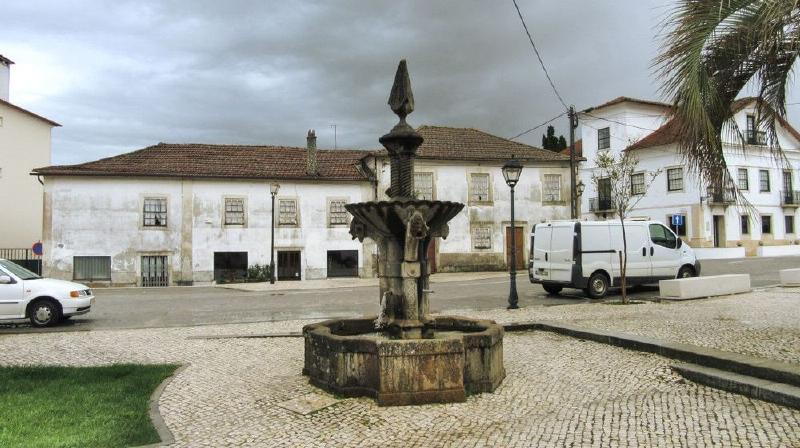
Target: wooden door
<point x="520" y="249"/>
<point x="289" y="265"/>
<point x="431" y="256"/>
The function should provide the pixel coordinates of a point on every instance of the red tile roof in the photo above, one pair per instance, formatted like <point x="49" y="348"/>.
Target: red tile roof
<point x="468" y="144"/>
<point x="25" y="111"/>
<point x="578" y="149"/>
<point x="193" y="160"/>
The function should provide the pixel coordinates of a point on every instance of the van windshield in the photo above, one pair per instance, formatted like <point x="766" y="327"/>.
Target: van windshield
<point x="18" y="270"/>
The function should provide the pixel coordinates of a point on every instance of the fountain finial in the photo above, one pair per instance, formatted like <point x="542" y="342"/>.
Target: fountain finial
<point x="401" y="99"/>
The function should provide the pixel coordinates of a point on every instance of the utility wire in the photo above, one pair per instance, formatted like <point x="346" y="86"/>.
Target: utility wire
<point x="618" y="122"/>
<point x="538" y="126"/>
<point x="539" y="57"/>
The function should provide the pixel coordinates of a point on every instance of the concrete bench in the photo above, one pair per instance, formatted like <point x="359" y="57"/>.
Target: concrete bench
<point x="696" y="287"/>
<point x="790" y="277"/>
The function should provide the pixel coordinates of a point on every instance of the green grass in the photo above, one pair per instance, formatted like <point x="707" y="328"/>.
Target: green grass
<point x="78" y="406"/>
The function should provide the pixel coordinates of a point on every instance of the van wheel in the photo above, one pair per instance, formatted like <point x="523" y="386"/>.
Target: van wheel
<point x="598" y="286"/>
<point x="552" y="289"/>
<point x="44" y="313"/>
<point x="686" y="272"/>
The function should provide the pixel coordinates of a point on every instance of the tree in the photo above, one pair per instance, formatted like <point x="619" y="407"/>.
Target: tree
<point x="713" y="49"/>
<point x="616" y="173"/>
<point x="551" y="142"/>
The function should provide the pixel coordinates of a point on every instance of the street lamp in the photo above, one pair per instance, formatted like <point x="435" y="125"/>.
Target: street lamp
<point x="511" y="172"/>
<point x="273" y="189"/>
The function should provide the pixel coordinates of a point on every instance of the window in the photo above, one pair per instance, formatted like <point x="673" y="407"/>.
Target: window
<point x="423" y="186"/>
<point x="787" y="181"/>
<point x="766" y="224"/>
<point x="287" y="212"/>
<point x="743" y="182"/>
<point x="155" y="212"/>
<point x="745" y="225"/>
<point x="91" y="268"/>
<point x="788" y="224"/>
<point x="763" y="181"/>
<point x="677" y="223"/>
<point x="662" y="236"/>
<point x="604" y="138"/>
<point x="234" y="211"/>
<point x="674" y="179"/>
<point x="552" y="188"/>
<point x="479" y="187"/>
<point x="482" y="237"/>
<point x="337" y="214"/>
<point x="637" y="183"/>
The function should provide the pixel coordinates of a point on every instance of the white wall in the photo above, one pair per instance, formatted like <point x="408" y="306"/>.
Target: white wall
<point x="102" y="216"/>
<point x="5" y="75"/>
<point x="24" y="145"/>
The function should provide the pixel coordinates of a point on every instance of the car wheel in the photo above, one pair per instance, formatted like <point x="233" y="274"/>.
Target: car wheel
<point x="598" y="286"/>
<point x="686" y="272"/>
<point x="44" y="313"/>
<point x="552" y="289"/>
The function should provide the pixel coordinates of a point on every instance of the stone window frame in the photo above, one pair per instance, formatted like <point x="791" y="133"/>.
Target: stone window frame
<point x="225" y="200"/>
<point x="490" y="199"/>
<point x="433" y="183"/>
<point x="746" y="179"/>
<point x="329" y="212"/>
<point x="638" y="184"/>
<point x="476" y="226"/>
<point x="762" y="179"/>
<point x="142" y="201"/>
<point x="675" y="179"/>
<point x="560" y="199"/>
<point x="604" y="141"/>
<point x="296" y="201"/>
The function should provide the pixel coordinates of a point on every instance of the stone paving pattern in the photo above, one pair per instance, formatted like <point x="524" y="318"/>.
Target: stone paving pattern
<point x="559" y="391"/>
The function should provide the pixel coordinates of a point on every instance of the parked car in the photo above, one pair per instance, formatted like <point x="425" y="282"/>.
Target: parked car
<point x="44" y="301"/>
<point x="586" y="255"/>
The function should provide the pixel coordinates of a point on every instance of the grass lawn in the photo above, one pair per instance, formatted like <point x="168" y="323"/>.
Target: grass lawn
<point x="78" y="406"/>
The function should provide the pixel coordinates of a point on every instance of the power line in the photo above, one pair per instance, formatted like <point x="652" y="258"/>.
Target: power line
<point x="539" y="57"/>
<point x="538" y="126"/>
<point x="618" y="122"/>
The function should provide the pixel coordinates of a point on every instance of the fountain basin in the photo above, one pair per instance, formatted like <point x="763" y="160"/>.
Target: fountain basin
<point x="347" y="357"/>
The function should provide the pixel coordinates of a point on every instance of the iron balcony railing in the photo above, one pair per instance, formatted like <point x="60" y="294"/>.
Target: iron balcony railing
<point x="720" y="197"/>
<point x="790" y="198"/>
<point x="756" y="137"/>
<point x="601" y="204"/>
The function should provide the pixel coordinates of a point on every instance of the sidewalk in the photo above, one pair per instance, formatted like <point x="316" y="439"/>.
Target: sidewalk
<point x="354" y="282"/>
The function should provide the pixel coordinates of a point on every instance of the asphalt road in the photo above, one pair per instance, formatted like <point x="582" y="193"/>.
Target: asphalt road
<point x="184" y="306"/>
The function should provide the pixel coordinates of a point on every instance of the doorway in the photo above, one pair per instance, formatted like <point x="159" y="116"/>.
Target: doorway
<point x="342" y="263"/>
<point x="155" y="271"/>
<point x="430" y="256"/>
<point x="230" y="266"/>
<point x="719" y="231"/>
<point x="289" y="265"/>
<point x="520" y="246"/>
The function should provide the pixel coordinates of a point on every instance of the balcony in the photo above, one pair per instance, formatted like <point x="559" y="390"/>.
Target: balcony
<point x="756" y="137"/>
<point x="601" y="205"/>
<point x="790" y="198"/>
<point x="717" y="197"/>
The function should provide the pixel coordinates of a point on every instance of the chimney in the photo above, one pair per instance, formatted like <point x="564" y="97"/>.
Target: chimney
<point x="311" y="148"/>
<point x="5" y="76"/>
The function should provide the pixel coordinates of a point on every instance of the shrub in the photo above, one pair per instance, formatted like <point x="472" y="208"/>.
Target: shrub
<point x="258" y="273"/>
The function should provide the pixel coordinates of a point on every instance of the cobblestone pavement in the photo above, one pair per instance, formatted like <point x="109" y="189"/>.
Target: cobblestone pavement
<point x="558" y="391"/>
<point x="763" y="323"/>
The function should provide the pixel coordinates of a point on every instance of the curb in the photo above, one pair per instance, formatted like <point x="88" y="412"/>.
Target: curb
<point x="248" y="336"/>
<point x="775" y="371"/>
<point x="155" y="415"/>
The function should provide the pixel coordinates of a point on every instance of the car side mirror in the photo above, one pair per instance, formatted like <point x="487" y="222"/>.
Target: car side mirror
<point x="4" y="279"/>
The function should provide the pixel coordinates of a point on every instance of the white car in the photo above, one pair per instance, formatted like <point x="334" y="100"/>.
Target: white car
<point x="45" y="301"/>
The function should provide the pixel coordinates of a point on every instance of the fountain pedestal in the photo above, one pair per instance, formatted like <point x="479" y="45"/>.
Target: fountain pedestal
<point x="404" y="356"/>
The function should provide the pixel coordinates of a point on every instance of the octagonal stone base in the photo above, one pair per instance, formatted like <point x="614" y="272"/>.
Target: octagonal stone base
<point x="347" y="357"/>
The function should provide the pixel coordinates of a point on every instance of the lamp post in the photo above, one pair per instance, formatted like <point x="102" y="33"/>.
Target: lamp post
<point x="580" y="188"/>
<point x="511" y="172"/>
<point x="273" y="189"/>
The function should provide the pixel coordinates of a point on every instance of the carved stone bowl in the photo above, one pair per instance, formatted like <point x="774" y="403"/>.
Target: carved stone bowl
<point x="347" y="357"/>
<point x="388" y="218"/>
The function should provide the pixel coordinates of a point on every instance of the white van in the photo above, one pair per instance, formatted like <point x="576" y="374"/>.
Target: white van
<point x="585" y="255"/>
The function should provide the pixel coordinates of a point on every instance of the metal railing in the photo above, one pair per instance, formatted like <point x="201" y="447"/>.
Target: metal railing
<point x="601" y="204"/>
<point x="720" y="197"/>
<point x="790" y="198"/>
<point x="756" y="137"/>
<point x="23" y="257"/>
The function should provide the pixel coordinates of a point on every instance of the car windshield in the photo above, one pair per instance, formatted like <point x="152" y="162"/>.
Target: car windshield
<point x="18" y="270"/>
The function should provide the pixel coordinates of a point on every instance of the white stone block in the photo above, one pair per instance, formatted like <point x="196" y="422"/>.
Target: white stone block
<point x="790" y="277"/>
<point x="786" y="250"/>
<point x="695" y="287"/>
<point x="716" y="253"/>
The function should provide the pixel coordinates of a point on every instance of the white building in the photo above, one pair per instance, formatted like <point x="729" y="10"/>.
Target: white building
<point x="24" y="145"/>
<point x="191" y="214"/>
<point x="711" y="219"/>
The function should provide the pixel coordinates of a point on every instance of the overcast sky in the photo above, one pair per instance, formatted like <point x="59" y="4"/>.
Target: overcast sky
<point x="123" y="75"/>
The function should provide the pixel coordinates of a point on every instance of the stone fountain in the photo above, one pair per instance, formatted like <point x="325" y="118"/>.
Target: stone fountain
<point x="404" y="356"/>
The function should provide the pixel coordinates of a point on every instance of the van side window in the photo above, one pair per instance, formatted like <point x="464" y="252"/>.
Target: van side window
<point x="662" y="236"/>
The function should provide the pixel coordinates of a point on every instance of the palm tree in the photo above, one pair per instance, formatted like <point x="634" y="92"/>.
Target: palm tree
<point x="713" y="50"/>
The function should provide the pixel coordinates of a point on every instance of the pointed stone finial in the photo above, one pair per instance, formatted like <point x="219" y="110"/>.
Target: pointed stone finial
<point x="401" y="99"/>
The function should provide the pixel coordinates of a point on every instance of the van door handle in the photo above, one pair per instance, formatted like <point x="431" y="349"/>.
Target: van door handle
<point x="652" y="250"/>
<point x="644" y="251"/>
